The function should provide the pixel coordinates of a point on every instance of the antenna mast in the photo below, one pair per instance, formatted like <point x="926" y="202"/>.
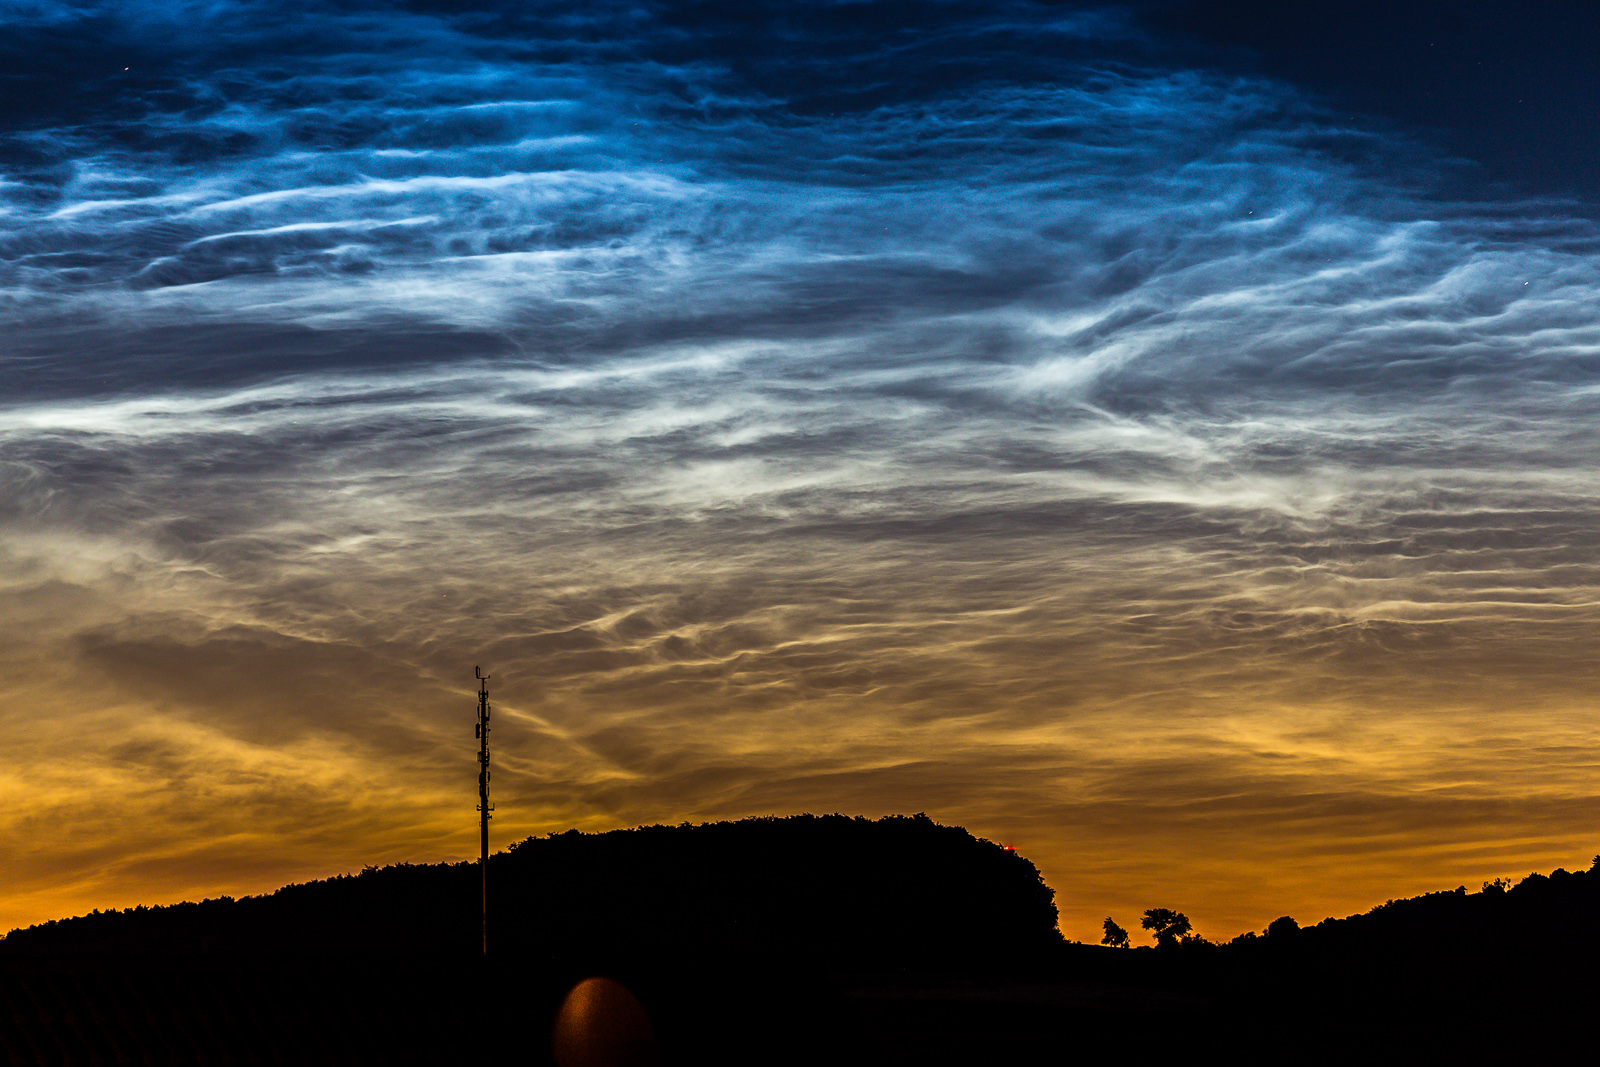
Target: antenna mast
<point x="484" y="807"/>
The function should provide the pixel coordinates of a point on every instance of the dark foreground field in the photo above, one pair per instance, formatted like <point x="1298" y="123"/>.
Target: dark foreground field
<point x="1126" y="1006"/>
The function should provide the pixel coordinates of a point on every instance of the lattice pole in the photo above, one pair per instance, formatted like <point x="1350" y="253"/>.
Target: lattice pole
<point x="484" y="807"/>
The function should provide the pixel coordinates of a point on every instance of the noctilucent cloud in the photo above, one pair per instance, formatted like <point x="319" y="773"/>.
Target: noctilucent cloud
<point x="1129" y="432"/>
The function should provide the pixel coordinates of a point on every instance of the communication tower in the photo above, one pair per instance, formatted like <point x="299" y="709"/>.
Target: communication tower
<point x="484" y="807"/>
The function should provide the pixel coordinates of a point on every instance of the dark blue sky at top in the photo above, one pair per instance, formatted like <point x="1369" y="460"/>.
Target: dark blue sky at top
<point x="1512" y="88"/>
<point x="127" y="101"/>
<point x="1509" y="87"/>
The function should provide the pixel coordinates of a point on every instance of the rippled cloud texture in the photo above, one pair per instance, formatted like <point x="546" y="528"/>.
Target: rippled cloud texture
<point x="869" y="407"/>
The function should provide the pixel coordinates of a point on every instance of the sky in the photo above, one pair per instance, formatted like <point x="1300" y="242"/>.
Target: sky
<point x="1161" y="437"/>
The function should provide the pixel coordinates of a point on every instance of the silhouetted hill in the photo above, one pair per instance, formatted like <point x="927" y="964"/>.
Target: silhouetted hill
<point x="1555" y="916"/>
<point x="726" y="933"/>
<point x="1510" y="969"/>
<point x="789" y="941"/>
<point x="828" y="890"/>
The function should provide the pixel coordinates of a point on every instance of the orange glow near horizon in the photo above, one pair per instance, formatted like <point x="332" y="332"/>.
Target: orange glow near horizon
<point x="1157" y="730"/>
<point x="216" y="763"/>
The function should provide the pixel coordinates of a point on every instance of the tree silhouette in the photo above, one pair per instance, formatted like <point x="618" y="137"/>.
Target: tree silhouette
<point x="1116" y="936"/>
<point x="1168" y="925"/>
<point x="1282" y="926"/>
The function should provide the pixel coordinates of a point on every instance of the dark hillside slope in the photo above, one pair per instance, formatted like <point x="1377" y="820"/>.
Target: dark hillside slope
<point x="790" y="941"/>
<point x="728" y="934"/>
<point x="1506" y="968"/>
<point x="828" y="890"/>
<point x="1538" y="925"/>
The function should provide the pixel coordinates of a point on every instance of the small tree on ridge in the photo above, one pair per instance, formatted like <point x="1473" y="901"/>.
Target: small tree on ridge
<point x="1169" y="926"/>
